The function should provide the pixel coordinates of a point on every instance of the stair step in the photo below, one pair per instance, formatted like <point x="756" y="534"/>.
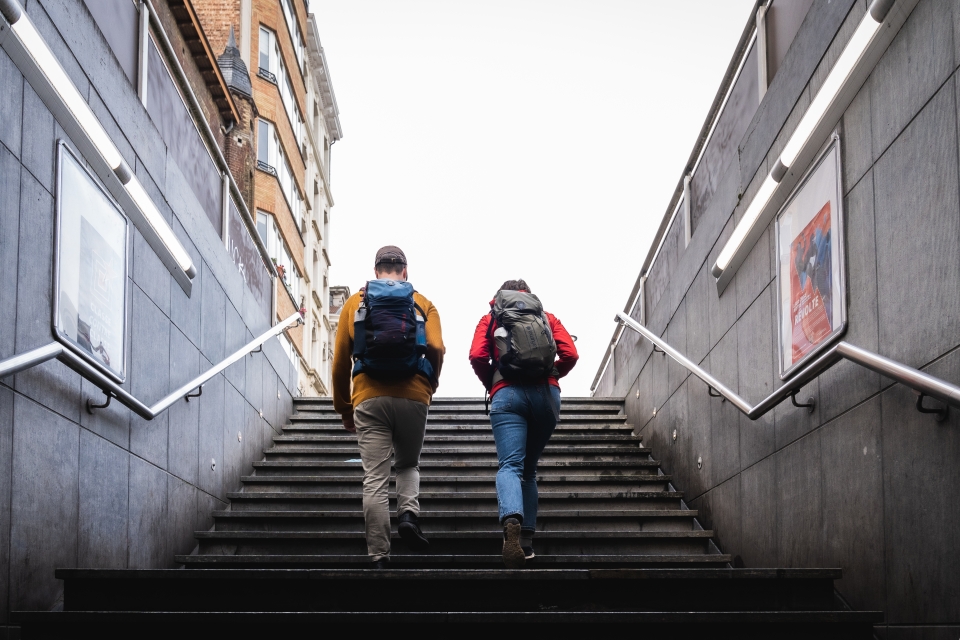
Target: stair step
<point x="465" y="454"/>
<point x="284" y="483"/>
<point x="490" y="541"/>
<point x="805" y="624"/>
<point x="470" y="464"/>
<point x="454" y="480"/>
<point x="467" y="439"/>
<point x="662" y="519"/>
<point x="441" y="418"/>
<point x="461" y="562"/>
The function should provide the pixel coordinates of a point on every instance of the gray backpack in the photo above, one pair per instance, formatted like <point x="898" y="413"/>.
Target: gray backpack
<point x="525" y="345"/>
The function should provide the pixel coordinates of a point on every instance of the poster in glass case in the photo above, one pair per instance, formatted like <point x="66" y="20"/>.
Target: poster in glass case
<point x="810" y="264"/>
<point x="90" y="274"/>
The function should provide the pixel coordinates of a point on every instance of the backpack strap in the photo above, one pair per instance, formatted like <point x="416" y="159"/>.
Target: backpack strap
<point x="359" y="334"/>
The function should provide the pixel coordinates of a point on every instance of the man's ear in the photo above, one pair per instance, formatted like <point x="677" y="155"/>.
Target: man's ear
<point x="405" y="278"/>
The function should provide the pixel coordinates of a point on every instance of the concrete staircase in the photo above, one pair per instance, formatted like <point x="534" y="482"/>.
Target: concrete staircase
<point x="616" y="545"/>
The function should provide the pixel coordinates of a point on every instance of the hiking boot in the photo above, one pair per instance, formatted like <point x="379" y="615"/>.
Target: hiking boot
<point x="513" y="556"/>
<point x="528" y="553"/>
<point x="410" y="531"/>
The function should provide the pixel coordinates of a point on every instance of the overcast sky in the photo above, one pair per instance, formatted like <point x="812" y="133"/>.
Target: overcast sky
<point x="535" y="139"/>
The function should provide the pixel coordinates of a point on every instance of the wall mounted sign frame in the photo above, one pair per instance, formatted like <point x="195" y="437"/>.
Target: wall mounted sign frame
<point x="811" y="280"/>
<point x="90" y="268"/>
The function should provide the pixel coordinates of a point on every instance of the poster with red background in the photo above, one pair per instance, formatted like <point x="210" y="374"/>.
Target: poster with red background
<point x="811" y="284"/>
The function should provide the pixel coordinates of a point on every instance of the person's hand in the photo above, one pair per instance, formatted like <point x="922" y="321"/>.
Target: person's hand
<point x="348" y="423"/>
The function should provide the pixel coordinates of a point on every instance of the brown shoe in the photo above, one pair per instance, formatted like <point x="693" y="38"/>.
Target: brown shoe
<point x="513" y="556"/>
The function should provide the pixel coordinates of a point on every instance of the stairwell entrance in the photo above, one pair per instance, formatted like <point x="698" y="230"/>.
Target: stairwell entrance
<point x="616" y="545"/>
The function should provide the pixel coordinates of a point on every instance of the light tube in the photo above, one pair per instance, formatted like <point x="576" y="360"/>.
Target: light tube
<point x="34" y="43"/>
<point x="750" y="216"/>
<point x="57" y="78"/>
<point x="847" y="62"/>
<point x="159" y="224"/>
<point x="831" y="87"/>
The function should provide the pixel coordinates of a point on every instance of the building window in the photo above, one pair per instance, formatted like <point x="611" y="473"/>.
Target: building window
<point x="280" y="254"/>
<point x="299" y="46"/>
<point x="272" y="159"/>
<point x="290" y="350"/>
<point x="271" y="62"/>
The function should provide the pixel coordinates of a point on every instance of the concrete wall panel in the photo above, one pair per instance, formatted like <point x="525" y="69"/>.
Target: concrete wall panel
<point x="6" y="462"/>
<point x="210" y="460"/>
<point x="755" y="368"/>
<point x="104" y="497"/>
<point x="676" y="335"/>
<point x="11" y="101"/>
<point x="921" y="482"/>
<point x="184" y="416"/>
<point x="851" y="453"/>
<point x="759" y="507"/>
<point x="912" y="70"/>
<point x="44" y="505"/>
<point x="10" y="241"/>
<point x="148" y="515"/>
<point x="918" y="236"/>
<point x="724" y="417"/>
<point x="800" y="522"/>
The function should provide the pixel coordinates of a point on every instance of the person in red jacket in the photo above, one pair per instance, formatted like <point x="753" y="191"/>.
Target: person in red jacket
<point x="523" y="416"/>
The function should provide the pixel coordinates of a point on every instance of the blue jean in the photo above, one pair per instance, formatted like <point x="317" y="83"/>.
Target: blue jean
<point x="523" y="418"/>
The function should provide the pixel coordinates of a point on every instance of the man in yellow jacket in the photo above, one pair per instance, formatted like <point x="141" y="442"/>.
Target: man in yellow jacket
<point x="387" y="412"/>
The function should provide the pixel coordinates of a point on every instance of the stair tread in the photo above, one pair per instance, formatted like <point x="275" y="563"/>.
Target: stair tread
<point x="495" y="559"/>
<point x="466" y="535"/>
<point x="428" y="464"/>
<point x="648" y="477"/>
<point x="461" y="495"/>
<point x="528" y="573"/>
<point x="427" y="514"/>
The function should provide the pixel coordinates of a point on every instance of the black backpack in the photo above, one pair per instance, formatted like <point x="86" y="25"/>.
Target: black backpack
<point x="389" y="333"/>
<point x="524" y="342"/>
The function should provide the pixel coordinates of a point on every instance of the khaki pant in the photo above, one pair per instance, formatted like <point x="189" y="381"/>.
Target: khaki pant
<point x="386" y="427"/>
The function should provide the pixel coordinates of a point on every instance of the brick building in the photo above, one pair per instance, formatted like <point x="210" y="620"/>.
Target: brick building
<point x="292" y="121"/>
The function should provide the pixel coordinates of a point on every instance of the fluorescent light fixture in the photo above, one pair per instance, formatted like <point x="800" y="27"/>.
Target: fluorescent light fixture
<point x="34" y="43"/>
<point x="831" y="87"/>
<point x="746" y="222"/>
<point x="46" y="62"/>
<point x="156" y="220"/>
<point x="845" y="66"/>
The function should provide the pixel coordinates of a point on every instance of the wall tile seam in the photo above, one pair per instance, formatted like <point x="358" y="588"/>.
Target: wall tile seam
<point x="869" y="168"/>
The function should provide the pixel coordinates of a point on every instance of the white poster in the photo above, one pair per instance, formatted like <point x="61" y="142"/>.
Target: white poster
<point x="91" y="274"/>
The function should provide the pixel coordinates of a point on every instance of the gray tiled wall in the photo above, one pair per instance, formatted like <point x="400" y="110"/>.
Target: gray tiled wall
<point x="864" y="482"/>
<point x="110" y="489"/>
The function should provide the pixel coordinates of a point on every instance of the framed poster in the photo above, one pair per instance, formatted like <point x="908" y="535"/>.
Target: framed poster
<point x="90" y="268"/>
<point x="811" y="285"/>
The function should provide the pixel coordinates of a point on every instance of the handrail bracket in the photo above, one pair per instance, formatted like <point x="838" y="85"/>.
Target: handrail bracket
<point x="91" y="406"/>
<point x="194" y="395"/>
<point x="810" y="405"/>
<point x="713" y="393"/>
<point x="941" y="412"/>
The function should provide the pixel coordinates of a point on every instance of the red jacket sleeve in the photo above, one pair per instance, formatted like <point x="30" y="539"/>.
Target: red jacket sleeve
<point x="480" y="352"/>
<point x="566" y="350"/>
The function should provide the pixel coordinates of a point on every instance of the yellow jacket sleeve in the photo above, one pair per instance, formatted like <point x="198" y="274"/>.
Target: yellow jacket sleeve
<point x="343" y="358"/>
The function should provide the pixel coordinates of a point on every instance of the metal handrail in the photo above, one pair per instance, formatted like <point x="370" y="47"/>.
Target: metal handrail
<point x="922" y="383"/>
<point x="113" y="390"/>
